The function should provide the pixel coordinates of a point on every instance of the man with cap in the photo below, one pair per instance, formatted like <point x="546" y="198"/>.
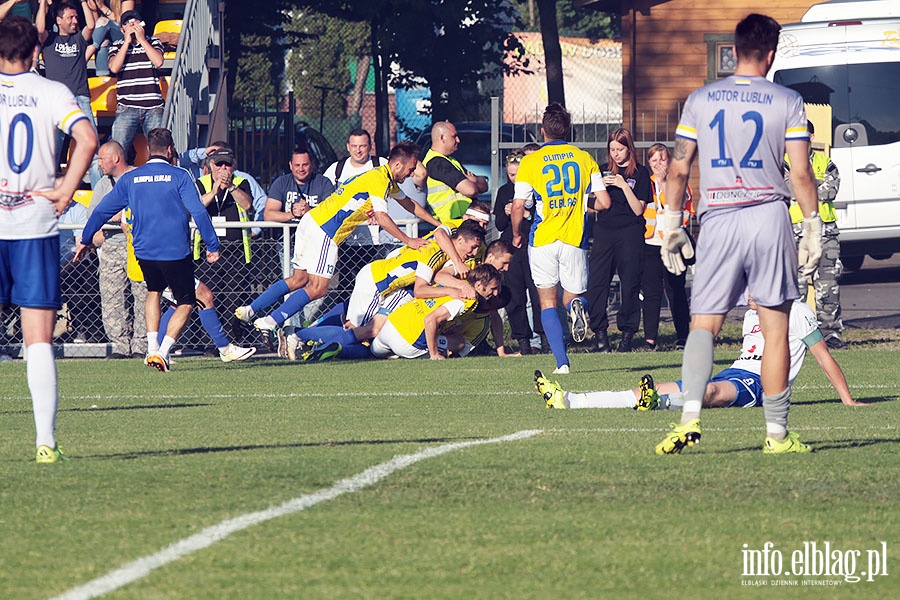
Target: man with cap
<point x="228" y="199"/>
<point x="136" y="61"/>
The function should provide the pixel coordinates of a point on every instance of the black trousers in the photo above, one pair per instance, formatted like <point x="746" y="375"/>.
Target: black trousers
<point x="518" y="279"/>
<point x="616" y="251"/>
<point x="654" y="280"/>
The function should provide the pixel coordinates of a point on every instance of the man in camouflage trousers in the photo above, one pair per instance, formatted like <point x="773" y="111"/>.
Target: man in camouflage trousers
<point x="128" y="336"/>
<point x="825" y="278"/>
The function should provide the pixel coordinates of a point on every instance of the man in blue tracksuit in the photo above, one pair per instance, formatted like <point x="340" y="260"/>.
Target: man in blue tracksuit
<point x="162" y="198"/>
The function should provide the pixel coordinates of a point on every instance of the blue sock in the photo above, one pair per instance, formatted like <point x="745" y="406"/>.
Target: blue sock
<point x="164" y="323"/>
<point x="273" y="294"/>
<point x="335" y="316"/>
<point x="213" y="326"/>
<point x="356" y="351"/>
<point x="294" y="304"/>
<point x="554" y="332"/>
<point x="320" y="333"/>
<point x="348" y="338"/>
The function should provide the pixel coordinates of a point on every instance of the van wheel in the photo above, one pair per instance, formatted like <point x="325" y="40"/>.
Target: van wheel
<point x="881" y="256"/>
<point x="852" y="263"/>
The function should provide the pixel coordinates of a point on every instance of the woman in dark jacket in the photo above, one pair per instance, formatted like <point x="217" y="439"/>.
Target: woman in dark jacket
<point x="618" y="245"/>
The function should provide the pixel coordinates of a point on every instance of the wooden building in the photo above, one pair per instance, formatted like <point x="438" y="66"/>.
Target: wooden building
<point x="672" y="47"/>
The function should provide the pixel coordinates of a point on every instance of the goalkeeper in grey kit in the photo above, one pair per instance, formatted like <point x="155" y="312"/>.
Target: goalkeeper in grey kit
<point x="739" y="129"/>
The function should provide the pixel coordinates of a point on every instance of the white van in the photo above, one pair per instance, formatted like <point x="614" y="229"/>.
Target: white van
<point x="844" y="58"/>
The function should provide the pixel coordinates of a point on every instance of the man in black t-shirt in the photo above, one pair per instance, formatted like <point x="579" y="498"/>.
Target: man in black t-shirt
<point x="64" y="52"/>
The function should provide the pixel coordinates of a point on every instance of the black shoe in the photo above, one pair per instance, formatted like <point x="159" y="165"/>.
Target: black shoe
<point x="524" y="347"/>
<point x="649" y="347"/>
<point x="601" y="339"/>
<point x="836" y="343"/>
<point x="679" y="345"/>
<point x="116" y="356"/>
<point x="625" y="343"/>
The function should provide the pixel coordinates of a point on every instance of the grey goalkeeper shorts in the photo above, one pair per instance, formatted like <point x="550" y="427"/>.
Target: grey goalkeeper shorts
<point x="746" y="249"/>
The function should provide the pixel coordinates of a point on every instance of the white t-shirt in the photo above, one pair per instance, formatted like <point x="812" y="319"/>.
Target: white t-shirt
<point x="803" y="332"/>
<point x="31" y="109"/>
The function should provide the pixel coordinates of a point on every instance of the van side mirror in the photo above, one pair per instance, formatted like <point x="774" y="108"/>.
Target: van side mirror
<point x="849" y="135"/>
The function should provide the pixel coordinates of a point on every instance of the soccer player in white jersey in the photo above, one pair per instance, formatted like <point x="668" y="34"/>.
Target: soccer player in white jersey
<point x="31" y="109"/>
<point x="739" y="129"/>
<point x="735" y="387"/>
<point x="556" y="181"/>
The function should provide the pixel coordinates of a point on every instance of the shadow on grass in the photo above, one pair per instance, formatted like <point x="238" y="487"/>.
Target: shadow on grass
<point x="873" y="400"/>
<point x="244" y="448"/>
<point x="820" y="447"/>
<point x="135" y="407"/>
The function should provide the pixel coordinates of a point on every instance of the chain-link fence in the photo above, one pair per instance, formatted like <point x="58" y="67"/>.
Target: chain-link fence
<point x="234" y="281"/>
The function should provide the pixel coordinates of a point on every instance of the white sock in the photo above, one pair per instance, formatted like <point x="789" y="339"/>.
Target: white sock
<point x="166" y="345"/>
<point x="623" y="399"/>
<point x="42" y="382"/>
<point x="152" y="341"/>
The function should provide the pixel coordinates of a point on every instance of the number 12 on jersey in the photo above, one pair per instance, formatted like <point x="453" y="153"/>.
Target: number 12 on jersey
<point x="747" y="161"/>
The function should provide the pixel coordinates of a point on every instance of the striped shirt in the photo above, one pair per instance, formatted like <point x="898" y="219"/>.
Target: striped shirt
<point x="138" y="81"/>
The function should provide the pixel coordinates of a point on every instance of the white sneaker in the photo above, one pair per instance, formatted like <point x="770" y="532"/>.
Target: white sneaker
<point x="232" y="352"/>
<point x="244" y="313"/>
<point x="293" y="344"/>
<point x="563" y="370"/>
<point x="265" y="324"/>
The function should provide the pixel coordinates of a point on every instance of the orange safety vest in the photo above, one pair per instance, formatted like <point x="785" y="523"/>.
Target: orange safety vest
<point x="659" y="204"/>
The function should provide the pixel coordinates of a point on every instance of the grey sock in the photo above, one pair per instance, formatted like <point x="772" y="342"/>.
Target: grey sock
<point x="696" y="369"/>
<point x="776" y="408"/>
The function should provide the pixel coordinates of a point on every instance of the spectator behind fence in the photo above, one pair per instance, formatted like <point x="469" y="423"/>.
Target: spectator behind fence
<point x="655" y="276"/>
<point x="64" y="61"/>
<point x="228" y="199"/>
<point x="136" y="60"/>
<point x="293" y="194"/>
<point x="107" y="30"/>
<point x="618" y="245"/>
<point x="518" y="277"/>
<point x="451" y="187"/>
<point x="192" y="160"/>
<point x="127" y="334"/>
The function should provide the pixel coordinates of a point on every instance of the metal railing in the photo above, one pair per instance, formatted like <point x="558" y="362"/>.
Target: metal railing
<point x="234" y="282"/>
<point x="193" y="89"/>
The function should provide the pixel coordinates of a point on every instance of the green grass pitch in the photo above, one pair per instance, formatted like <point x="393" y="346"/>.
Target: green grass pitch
<point x="581" y="509"/>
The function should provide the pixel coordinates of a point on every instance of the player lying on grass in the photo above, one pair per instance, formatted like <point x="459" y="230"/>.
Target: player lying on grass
<point x="415" y="329"/>
<point x="738" y="386"/>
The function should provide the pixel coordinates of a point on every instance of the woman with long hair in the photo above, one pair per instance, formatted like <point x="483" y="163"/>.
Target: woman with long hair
<point x="655" y="276"/>
<point x="618" y="245"/>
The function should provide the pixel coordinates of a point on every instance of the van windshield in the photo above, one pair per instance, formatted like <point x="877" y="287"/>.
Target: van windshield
<point x="857" y="93"/>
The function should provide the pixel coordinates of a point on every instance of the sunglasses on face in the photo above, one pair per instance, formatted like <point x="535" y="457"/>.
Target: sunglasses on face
<point x="222" y="163"/>
<point x="513" y="158"/>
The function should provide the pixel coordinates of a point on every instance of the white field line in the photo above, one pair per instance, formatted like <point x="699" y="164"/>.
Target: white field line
<point x="143" y="566"/>
<point x="717" y="429"/>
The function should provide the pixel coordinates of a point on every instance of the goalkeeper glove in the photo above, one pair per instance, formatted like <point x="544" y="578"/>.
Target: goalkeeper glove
<point x="677" y="246"/>
<point x="810" y="249"/>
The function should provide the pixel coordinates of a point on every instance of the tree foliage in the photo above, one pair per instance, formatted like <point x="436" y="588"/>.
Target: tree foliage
<point x="571" y="21"/>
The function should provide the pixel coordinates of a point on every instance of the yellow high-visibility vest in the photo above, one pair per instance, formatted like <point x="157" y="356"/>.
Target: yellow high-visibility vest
<point x="445" y="202"/>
